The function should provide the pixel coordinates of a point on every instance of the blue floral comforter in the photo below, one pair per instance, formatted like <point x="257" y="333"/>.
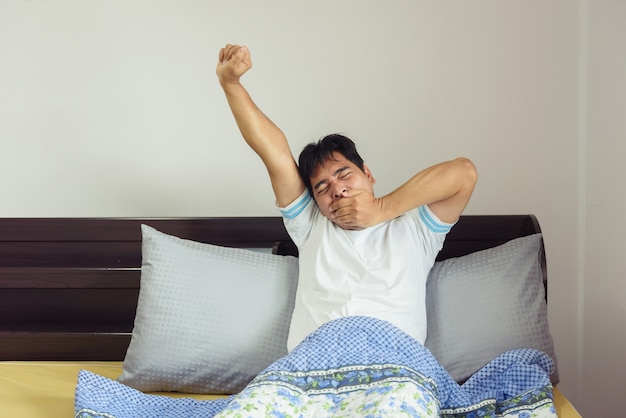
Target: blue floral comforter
<point x="356" y="366"/>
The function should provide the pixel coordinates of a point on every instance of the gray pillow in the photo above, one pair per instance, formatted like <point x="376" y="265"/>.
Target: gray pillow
<point x="485" y="303"/>
<point x="209" y="318"/>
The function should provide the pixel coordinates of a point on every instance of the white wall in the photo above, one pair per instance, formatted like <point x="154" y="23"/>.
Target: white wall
<point x="113" y="109"/>
<point x="604" y="371"/>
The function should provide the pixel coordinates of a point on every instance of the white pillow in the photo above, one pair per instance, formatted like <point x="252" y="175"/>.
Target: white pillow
<point x="209" y="318"/>
<point x="485" y="303"/>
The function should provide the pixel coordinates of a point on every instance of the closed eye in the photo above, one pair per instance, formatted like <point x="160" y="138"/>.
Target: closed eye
<point x="341" y="173"/>
<point x="322" y="190"/>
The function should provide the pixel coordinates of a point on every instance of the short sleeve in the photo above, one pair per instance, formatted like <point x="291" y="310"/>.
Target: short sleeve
<point x="299" y="217"/>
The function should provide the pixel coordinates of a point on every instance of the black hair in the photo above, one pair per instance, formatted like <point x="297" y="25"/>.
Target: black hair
<point x="316" y="153"/>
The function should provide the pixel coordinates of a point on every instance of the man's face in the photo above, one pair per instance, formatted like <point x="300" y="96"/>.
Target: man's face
<point x="336" y="176"/>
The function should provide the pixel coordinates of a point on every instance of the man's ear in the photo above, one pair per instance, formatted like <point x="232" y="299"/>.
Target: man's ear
<point x="368" y="173"/>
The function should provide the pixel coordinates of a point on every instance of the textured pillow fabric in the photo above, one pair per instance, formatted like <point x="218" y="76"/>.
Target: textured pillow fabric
<point x="485" y="303"/>
<point x="209" y="318"/>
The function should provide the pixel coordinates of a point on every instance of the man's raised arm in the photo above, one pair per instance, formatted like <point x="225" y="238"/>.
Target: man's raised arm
<point x="261" y="134"/>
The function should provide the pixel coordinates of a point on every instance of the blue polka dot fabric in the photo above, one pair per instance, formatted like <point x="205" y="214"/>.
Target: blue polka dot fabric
<point x="350" y="364"/>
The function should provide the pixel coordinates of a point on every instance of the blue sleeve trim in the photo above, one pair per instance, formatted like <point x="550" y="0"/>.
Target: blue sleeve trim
<point x="296" y="208"/>
<point x="432" y="222"/>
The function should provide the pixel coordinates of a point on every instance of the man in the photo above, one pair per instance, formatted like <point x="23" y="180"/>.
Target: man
<point x="359" y="254"/>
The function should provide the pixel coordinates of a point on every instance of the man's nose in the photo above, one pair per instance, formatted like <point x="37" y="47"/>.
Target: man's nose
<point x="339" y="190"/>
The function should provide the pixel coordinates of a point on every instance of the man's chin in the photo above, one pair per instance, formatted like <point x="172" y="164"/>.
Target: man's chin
<point x="345" y="226"/>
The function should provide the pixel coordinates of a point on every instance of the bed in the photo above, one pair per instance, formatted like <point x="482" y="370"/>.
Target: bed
<point x="75" y="324"/>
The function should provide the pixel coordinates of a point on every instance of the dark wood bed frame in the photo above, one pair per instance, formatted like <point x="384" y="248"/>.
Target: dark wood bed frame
<point x="69" y="286"/>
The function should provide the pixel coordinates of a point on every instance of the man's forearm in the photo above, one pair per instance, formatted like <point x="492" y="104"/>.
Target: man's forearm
<point x="261" y="134"/>
<point x="445" y="187"/>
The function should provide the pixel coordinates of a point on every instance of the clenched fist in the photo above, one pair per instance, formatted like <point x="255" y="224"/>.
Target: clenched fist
<point x="234" y="61"/>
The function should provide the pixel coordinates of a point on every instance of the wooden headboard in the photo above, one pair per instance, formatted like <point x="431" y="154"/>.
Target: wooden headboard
<point x="69" y="286"/>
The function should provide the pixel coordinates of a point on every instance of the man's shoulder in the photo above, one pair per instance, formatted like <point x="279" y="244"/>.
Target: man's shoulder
<point x="298" y="206"/>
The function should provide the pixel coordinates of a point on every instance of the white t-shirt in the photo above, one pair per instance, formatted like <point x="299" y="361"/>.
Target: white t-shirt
<point x="379" y="271"/>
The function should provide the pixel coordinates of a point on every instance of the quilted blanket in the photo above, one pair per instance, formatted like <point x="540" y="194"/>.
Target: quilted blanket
<point x="355" y="366"/>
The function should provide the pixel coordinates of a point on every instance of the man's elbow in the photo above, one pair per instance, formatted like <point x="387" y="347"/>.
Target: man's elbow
<point x="468" y="174"/>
